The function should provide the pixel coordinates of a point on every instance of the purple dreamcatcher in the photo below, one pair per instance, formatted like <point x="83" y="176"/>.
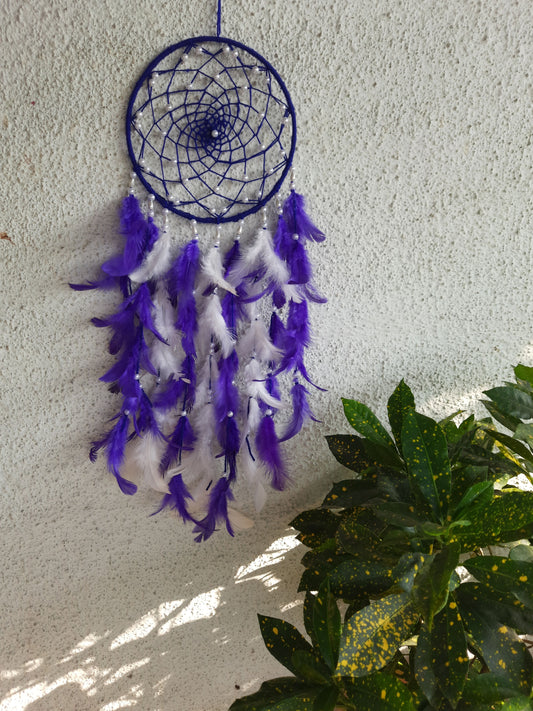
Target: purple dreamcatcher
<point x="209" y="340"/>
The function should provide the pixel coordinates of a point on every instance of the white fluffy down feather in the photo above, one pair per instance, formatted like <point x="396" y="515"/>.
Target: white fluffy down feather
<point x="257" y="340"/>
<point x="213" y="323"/>
<point x="255" y="384"/>
<point x="261" y="254"/>
<point x="146" y="455"/>
<point x="157" y="261"/>
<point x="212" y="269"/>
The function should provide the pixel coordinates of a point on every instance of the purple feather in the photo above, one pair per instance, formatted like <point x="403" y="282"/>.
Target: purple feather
<point x="298" y="221"/>
<point x="142" y="303"/>
<point x="139" y="234"/>
<point x="298" y="322"/>
<point x="167" y="399"/>
<point x="217" y="511"/>
<point x="123" y="325"/>
<point x="272" y="387"/>
<point x="151" y="236"/>
<point x="278" y="332"/>
<point x="310" y="292"/>
<point x="231" y="448"/>
<point x="231" y="257"/>
<point x="226" y="393"/>
<point x="268" y="450"/>
<point x="301" y="411"/>
<point x="107" y="282"/>
<point x="180" y="440"/>
<point x="114" y="443"/>
<point x="145" y="420"/>
<point x="278" y="298"/>
<point x="188" y="376"/>
<point x="182" y="274"/>
<point x="186" y="322"/>
<point x="176" y="499"/>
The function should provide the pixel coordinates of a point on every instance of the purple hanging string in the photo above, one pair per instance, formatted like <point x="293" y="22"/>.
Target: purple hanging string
<point x="219" y="17"/>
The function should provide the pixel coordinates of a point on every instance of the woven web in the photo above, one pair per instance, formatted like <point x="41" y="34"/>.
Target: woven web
<point x="211" y="129"/>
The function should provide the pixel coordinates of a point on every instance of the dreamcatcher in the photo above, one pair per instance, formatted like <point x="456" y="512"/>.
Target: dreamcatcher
<point x="204" y="336"/>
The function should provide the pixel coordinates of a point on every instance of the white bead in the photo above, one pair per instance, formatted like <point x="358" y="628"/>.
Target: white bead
<point x="214" y="133"/>
<point x="183" y="413"/>
<point x="133" y="175"/>
<point x="226" y="49"/>
<point x="151" y="197"/>
<point x="295" y="237"/>
<point x="230" y="414"/>
<point x="126" y="412"/>
<point x="235" y="54"/>
<point x="169" y="107"/>
<point x="263" y="146"/>
<point x="217" y="76"/>
<point x="137" y="376"/>
<point x="184" y="57"/>
<point x="142" y="161"/>
<point x="269" y="413"/>
<point x="255" y="70"/>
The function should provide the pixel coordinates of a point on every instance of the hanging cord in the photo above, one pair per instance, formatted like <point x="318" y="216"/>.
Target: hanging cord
<point x="219" y="17"/>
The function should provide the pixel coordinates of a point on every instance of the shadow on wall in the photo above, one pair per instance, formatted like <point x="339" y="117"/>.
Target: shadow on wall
<point x="148" y="664"/>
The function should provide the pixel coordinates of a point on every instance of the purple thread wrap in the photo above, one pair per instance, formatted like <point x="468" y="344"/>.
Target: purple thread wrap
<point x="268" y="450"/>
<point x="301" y="411"/>
<point x="179" y="441"/>
<point x="114" y="443"/>
<point x="176" y="498"/>
<point x="217" y="511"/>
<point x="298" y="222"/>
<point x="140" y="235"/>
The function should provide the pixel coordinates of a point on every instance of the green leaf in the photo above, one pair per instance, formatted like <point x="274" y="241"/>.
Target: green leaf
<point x="400" y="402"/>
<point x="381" y="691"/>
<point x="349" y="451"/>
<point x="283" y="694"/>
<point x="504" y="607"/>
<point x="372" y="635"/>
<point x="327" y="699"/>
<point x="431" y="585"/>
<point x="398" y="514"/>
<point x="481" y="493"/>
<point x="502" y="573"/>
<point x="361" y="576"/>
<point x="488" y="688"/>
<point x="351" y="492"/>
<point x="309" y="667"/>
<point x="327" y="625"/>
<point x="423" y="665"/>
<point x="512" y="401"/>
<point x="522" y="552"/>
<point x="426" y="454"/>
<point x="282" y="640"/>
<point x="408" y="568"/>
<point x="523" y="372"/>
<point x="309" y="604"/>
<point x="449" y="653"/>
<point x="512" y="443"/>
<point x="315" y="526"/>
<point x="359" y="531"/>
<point x="363" y="420"/>
<point x="507" y="518"/>
<point x="524" y="432"/>
<point x="522" y="703"/>
<point x="511" y="423"/>
<point x="502" y="651"/>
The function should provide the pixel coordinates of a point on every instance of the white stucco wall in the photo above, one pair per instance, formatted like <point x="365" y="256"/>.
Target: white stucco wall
<point x="415" y="154"/>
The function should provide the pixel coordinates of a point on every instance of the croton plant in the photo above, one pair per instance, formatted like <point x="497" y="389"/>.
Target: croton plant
<point x="418" y="580"/>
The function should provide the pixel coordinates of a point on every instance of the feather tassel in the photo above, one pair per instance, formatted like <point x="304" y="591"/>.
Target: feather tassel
<point x="176" y="499"/>
<point x="298" y="222"/>
<point x="268" y="450"/>
<point x="301" y="411"/>
<point x="213" y="271"/>
<point x="114" y="443"/>
<point x="156" y="262"/>
<point x="182" y="438"/>
<point x="217" y="511"/>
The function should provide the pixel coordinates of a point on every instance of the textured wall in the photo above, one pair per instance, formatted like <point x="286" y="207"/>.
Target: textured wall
<point x="415" y="154"/>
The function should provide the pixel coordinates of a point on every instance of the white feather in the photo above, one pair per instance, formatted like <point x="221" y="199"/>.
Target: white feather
<point x="215" y="324"/>
<point x="253" y="473"/>
<point x="255" y="384"/>
<point x="292" y="293"/>
<point x="261" y="254"/>
<point x="146" y="455"/>
<point x="165" y="357"/>
<point x="253" y="418"/>
<point x="157" y="261"/>
<point x="257" y="340"/>
<point x="212" y="269"/>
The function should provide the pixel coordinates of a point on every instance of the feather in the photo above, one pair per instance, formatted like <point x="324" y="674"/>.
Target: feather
<point x="268" y="450"/>
<point x="212" y="269"/>
<point x="278" y="333"/>
<point x="107" y="282"/>
<point x="261" y="261"/>
<point x="146" y="456"/>
<point x="167" y="399"/>
<point x="217" y="511"/>
<point x="231" y="257"/>
<point x="182" y="275"/>
<point x="215" y="324"/>
<point x="253" y="471"/>
<point x="114" y="443"/>
<point x="253" y="417"/>
<point x="166" y="355"/>
<point x="310" y="292"/>
<point x="142" y="303"/>
<point x="181" y="439"/>
<point x="140" y="235"/>
<point x="176" y="498"/>
<point x="226" y="393"/>
<point x="255" y="385"/>
<point x="278" y="298"/>
<point x="156" y="262"/>
<point x="256" y="340"/>
<point x="145" y="421"/>
<point x="123" y="326"/>
<point x="298" y="222"/>
<point x="301" y="411"/>
<point x="186" y="322"/>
